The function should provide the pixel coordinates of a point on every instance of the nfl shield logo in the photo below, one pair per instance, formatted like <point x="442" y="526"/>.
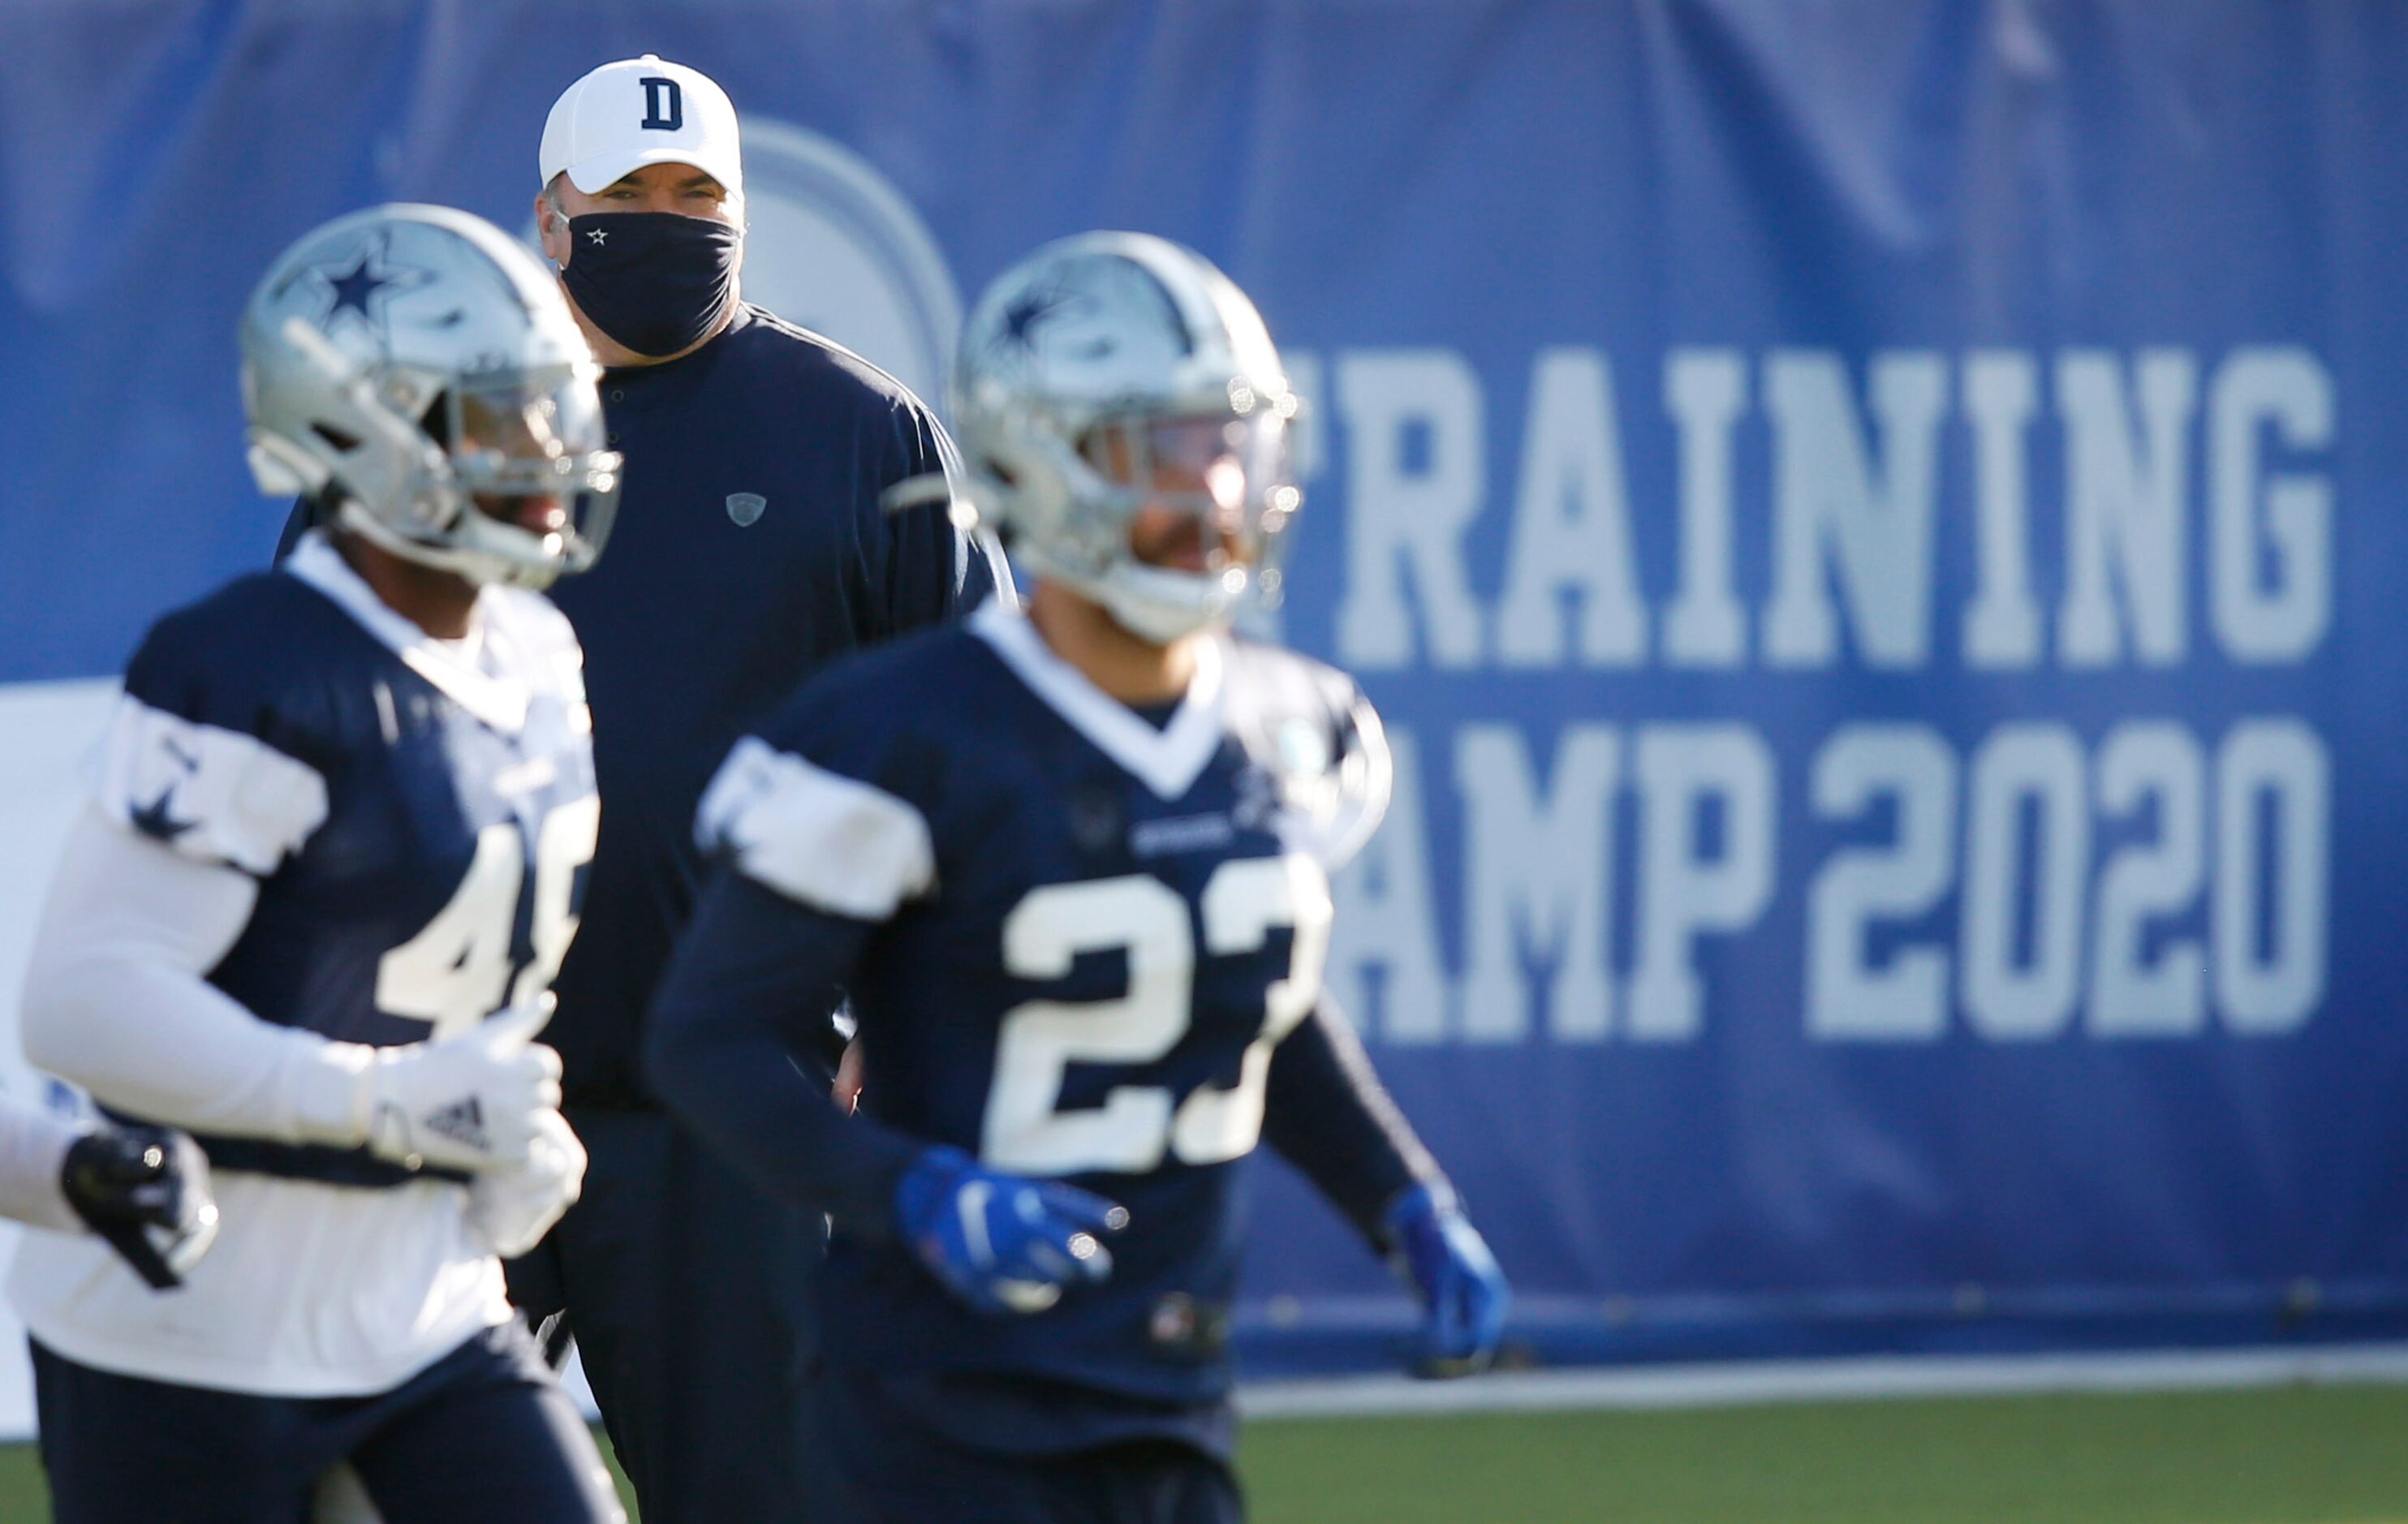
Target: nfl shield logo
<point x="745" y="508"/>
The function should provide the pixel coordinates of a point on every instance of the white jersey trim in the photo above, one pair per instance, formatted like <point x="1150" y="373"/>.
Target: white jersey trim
<point x="818" y="837"/>
<point x="499" y="699"/>
<point x="211" y="794"/>
<point x="1167" y="760"/>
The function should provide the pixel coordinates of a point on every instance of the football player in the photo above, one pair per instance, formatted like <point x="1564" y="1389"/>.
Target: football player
<point x="330" y="863"/>
<point x="1072" y="867"/>
<point x="751" y="549"/>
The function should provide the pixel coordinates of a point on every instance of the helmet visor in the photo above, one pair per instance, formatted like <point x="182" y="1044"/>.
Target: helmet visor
<point x="1213" y="492"/>
<point x="529" y="452"/>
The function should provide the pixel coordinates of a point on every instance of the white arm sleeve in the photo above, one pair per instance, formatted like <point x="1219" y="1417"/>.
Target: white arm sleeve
<point x="116" y="1000"/>
<point x="33" y="1153"/>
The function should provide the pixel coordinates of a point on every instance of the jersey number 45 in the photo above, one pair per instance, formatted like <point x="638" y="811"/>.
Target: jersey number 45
<point x="1138" y="1125"/>
<point x="458" y="969"/>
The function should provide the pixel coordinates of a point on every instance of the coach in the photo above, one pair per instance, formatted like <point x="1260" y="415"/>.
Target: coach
<point x="750" y="547"/>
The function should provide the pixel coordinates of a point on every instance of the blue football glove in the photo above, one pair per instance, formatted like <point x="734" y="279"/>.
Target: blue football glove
<point x="1003" y="1242"/>
<point x="1464" y="1295"/>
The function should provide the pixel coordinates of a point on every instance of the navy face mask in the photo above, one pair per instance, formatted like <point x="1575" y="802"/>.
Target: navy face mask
<point x="654" y="282"/>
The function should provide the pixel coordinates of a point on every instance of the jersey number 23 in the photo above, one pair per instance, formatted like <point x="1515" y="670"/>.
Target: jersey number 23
<point x="1138" y="1125"/>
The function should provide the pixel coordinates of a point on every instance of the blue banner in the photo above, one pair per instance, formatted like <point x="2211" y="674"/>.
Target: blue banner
<point x="1874" y="527"/>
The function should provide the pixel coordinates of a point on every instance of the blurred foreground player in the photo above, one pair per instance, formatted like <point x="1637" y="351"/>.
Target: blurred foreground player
<point x="1072" y="868"/>
<point x="749" y="549"/>
<point x="330" y="865"/>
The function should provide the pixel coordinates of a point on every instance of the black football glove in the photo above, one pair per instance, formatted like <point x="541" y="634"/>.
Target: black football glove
<point x="145" y="1189"/>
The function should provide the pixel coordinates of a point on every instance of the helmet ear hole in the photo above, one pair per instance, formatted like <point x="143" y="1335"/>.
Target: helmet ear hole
<point x="437" y="420"/>
<point x="343" y="444"/>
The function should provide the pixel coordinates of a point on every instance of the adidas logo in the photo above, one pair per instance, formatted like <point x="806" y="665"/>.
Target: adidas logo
<point x="464" y="1122"/>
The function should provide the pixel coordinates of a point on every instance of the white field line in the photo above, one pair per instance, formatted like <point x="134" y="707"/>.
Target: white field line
<point x="1826" y="1380"/>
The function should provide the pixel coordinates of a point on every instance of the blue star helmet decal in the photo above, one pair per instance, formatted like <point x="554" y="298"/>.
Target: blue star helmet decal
<point x="1022" y="320"/>
<point x="364" y="286"/>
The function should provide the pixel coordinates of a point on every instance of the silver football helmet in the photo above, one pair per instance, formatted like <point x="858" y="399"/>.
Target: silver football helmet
<point x="1114" y="374"/>
<point x="418" y="370"/>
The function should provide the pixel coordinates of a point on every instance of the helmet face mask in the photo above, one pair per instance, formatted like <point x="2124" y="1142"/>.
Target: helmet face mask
<point x="1126" y="423"/>
<point x="1211" y="495"/>
<point x="419" y="372"/>
<point x="523" y="448"/>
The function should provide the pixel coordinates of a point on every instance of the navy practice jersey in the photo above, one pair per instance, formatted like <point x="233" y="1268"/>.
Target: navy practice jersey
<point x="418" y="815"/>
<point x="1081" y="938"/>
<point x="749" y="549"/>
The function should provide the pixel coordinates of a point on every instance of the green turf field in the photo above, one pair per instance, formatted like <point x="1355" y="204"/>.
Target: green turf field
<point x="2335" y="1454"/>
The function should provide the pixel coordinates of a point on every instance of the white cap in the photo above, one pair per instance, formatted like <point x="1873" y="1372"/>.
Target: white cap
<point x="641" y="111"/>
